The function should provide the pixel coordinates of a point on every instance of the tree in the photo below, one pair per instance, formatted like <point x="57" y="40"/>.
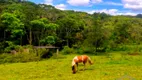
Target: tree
<point x="13" y="25"/>
<point x="42" y="29"/>
<point x="30" y="11"/>
<point x="50" y="40"/>
<point x="68" y="29"/>
<point x="95" y="35"/>
<point x="121" y="34"/>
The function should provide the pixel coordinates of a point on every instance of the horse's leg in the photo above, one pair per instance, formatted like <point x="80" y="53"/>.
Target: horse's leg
<point x="84" y="65"/>
<point x="77" y="66"/>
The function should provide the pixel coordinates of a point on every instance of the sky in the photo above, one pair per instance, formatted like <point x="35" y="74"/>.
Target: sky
<point x="112" y="7"/>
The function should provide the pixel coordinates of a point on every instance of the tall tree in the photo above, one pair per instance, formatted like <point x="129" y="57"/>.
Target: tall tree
<point x="13" y="25"/>
<point x="68" y="29"/>
<point x="42" y="29"/>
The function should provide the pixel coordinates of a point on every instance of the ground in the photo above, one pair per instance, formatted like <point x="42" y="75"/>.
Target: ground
<point x="105" y="67"/>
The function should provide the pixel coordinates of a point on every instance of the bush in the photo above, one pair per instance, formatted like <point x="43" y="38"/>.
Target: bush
<point x="44" y="53"/>
<point x="21" y="54"/>
<point x="24" y="54"/>
<point x="19" y="57"/>
<point x="1" y="47"/>
<point x="123" y="47"/>
<point x="5" y="58"/>
<point x="68" y="50"/>
<point x="80" y="51"/>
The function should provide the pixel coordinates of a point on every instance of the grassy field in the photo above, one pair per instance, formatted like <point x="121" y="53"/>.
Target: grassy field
<point x="105" y="67"/>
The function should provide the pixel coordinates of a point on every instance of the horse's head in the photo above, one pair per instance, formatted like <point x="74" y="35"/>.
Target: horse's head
<point x="89" y="60"/>
<point x="92" y="63"/>
<point x="73" y="69"/>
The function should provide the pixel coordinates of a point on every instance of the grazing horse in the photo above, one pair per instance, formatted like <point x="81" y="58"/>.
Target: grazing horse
<point x="79" y="59"/>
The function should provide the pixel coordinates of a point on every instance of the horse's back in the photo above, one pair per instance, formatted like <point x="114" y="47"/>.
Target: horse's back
<point x="82" y="58"/>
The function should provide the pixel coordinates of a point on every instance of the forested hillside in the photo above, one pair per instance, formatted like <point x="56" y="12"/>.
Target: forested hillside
<point x="25" y="23"/>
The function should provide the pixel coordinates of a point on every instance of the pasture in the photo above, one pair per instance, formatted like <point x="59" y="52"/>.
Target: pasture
<point x="112" y="66"/>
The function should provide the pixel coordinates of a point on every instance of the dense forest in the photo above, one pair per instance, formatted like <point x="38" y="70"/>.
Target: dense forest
<point x="25" y="23"/>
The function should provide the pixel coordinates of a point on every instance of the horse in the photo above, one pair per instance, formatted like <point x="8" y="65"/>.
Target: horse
<point x="79" y="59"/>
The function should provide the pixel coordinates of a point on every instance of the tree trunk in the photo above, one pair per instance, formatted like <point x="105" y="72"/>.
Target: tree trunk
<point x="4" y="35"/>
<point x="21" y="41"/>
<point x="30" y="37"/>
<point x="67" y="37"/>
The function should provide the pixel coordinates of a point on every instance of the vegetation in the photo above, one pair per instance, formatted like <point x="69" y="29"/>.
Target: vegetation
<point x="24" y="23"/>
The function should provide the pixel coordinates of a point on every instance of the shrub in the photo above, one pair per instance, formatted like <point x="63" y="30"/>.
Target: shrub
<point x="44" y="53"/>
<point x="1" y="47"/>
<point x="5" y="58"/>
<point x="10" y="46"/>
<point x="24" y="54"/>
<point x="80" y="51"/>
<point x="19" y="57"/>
<point x="68" y="50"/>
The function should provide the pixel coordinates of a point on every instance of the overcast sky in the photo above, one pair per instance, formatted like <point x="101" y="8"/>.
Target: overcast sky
<point x="113" y="7"/>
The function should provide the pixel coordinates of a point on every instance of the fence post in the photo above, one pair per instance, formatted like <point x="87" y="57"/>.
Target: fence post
<point x="57" y="52"/>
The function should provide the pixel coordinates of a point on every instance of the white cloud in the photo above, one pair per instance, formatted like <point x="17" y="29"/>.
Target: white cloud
<point x="112" y="12"/>
<point x="113" y="3"/>
<point x="61" y="6"/>
<point x="78" y="2"/>
<point x="48" y="2"/>
<point x="83" y="2"/>
<point x="132" y="4"/>
<point x="96" y="1"/>
<point x="127" y="13"/>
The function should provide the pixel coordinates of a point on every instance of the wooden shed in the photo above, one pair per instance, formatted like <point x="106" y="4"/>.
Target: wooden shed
<point x="48" y="47"/>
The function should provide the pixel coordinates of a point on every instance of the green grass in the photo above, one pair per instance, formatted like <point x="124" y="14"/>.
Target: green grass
<point x="105" y="67"/>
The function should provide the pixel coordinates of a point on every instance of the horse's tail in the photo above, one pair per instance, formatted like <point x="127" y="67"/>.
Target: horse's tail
<point x="89" y="60"/>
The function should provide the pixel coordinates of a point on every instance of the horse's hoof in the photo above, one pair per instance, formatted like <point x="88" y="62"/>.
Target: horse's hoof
<point x="74" y="72"/>
<point x="81" y="69"/>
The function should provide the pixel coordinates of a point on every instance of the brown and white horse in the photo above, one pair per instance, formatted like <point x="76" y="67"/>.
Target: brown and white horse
<point x="79" y="59"/>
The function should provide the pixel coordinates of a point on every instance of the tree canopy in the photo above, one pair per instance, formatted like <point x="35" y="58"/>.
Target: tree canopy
<point x="26" y="23"/>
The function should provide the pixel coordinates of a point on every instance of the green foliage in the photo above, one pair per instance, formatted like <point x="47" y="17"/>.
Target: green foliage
<point x="13" y="24"/>
<point x="9" y="1"/>
<point x="52" y="26"/>
<point x="21" y="54"/>
<point x="19" y="57"/>
<point x="41" y="52"/>
<point x="40" y="24"/>
<point x="10" y="46"/>
<point x="44" y="53"/>
<point x="2" y="46"/>
<point x="11" y="21"/>
<point x="37" y="23"/>
<point x="46" y="32"/>
<point x="68" y="27"/>
<point x="68" y="50"/>
<point x="48" y="40"/>
<point x="96" y="38"/>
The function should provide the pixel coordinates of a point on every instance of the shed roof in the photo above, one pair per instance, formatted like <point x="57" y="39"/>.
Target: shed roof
<point x="47" y="47"/>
